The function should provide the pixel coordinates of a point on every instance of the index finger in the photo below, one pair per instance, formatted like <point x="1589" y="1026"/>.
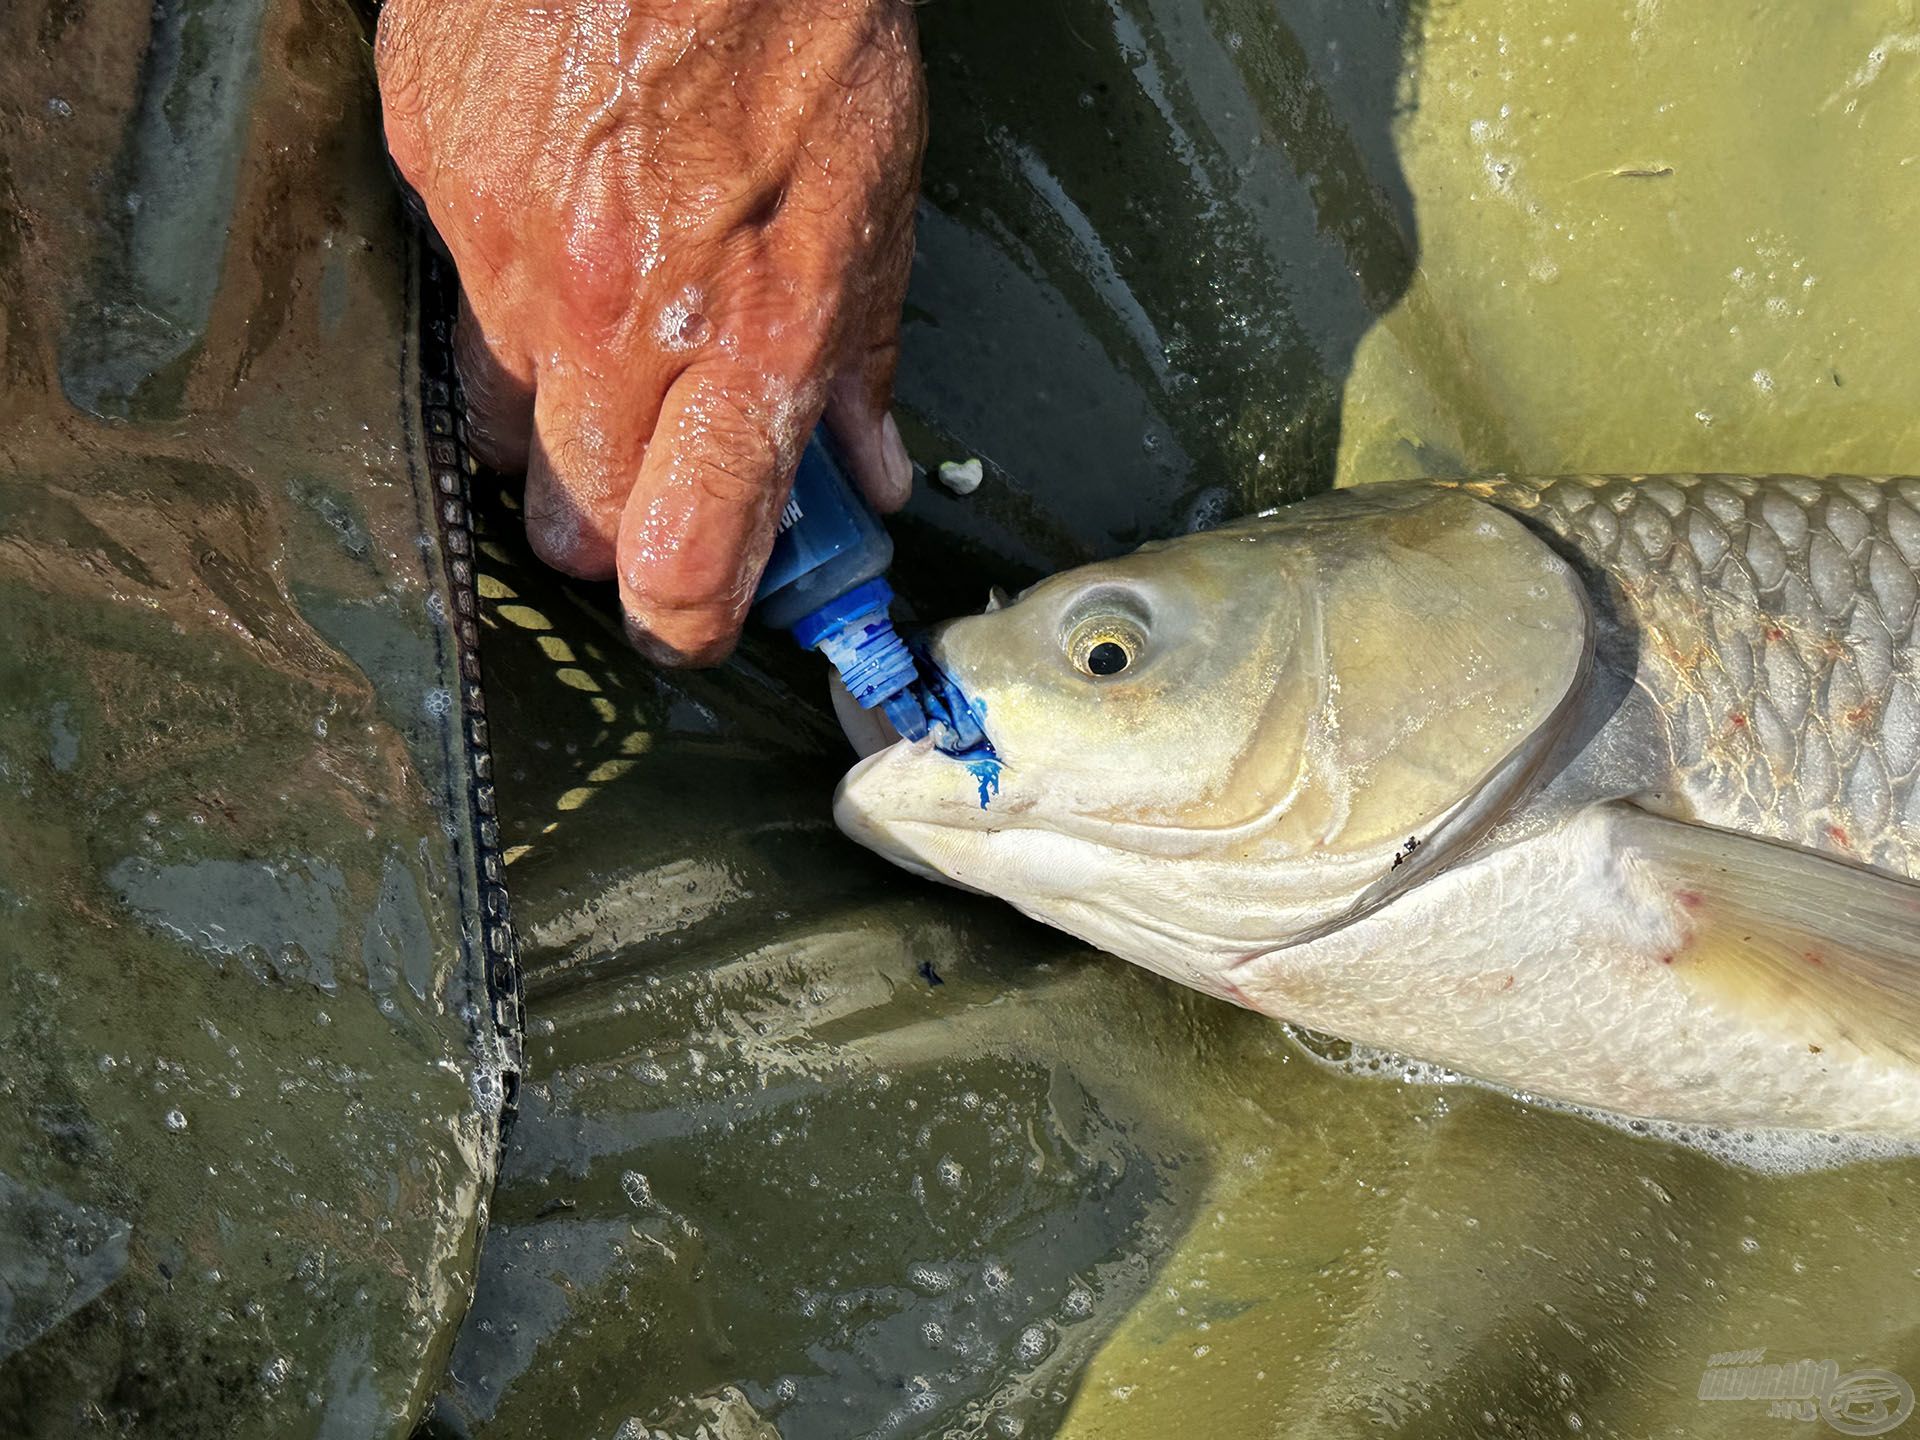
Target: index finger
<point x="699" y="522"/>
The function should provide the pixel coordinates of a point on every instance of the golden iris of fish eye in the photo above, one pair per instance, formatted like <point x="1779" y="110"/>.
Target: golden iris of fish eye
<point x="1104" y="630"/>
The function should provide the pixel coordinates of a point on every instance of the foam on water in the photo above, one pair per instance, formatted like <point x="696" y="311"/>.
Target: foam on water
<point x="1765" y="1150"/>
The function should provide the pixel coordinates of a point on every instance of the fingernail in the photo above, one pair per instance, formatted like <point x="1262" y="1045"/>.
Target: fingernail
<point x="896" y="462"/>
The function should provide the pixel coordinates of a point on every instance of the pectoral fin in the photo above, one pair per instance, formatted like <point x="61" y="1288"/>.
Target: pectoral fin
<point x="1826" y="950"/>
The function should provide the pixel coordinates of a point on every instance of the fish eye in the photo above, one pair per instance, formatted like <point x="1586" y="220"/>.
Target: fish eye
<point x="1105" y="646"/>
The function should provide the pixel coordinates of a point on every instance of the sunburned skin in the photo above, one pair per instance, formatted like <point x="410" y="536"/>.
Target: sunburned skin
<point x="683" y="234"/>
<point x="1605" y="790"/>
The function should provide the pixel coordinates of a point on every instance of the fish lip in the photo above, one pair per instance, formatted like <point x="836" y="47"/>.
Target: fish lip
<point x="892" y="838"/>
<point x="942" y="695"/>
<point x="984" y="749"/>
<point x="913" y="865"/>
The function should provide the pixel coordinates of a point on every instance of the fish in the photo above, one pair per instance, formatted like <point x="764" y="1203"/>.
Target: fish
<point x="1601" y="789"/>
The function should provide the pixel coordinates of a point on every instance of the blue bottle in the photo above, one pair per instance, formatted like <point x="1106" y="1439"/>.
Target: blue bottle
<point x="826" y="582"/>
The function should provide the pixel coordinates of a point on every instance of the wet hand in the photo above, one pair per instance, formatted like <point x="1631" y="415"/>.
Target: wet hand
<point x="682" y="229"/>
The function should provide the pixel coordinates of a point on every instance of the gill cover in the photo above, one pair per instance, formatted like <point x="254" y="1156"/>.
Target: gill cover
<point x="1452" y="642"/>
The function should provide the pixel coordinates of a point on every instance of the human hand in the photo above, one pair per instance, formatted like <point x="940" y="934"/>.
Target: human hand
<point x="682" y="229"/>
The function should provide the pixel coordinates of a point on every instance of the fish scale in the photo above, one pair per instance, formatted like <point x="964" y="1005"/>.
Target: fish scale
<point x="1777" y="637"/>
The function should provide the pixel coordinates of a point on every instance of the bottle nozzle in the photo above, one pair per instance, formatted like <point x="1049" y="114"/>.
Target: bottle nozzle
<point x="856" y="633"/>
<point x="879" y="669"/>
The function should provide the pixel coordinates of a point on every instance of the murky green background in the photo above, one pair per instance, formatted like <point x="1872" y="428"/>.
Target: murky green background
<point x="249" y="1088"/>
<point x="1179" y="260"/>
<point x="807" y="1148"/>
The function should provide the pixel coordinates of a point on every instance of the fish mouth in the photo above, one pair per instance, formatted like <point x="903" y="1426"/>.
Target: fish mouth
<point x="915" y="846"/>
<point x="956" y="719"/>
<point x="935" y="704"/>
<point x="922" y="808"/>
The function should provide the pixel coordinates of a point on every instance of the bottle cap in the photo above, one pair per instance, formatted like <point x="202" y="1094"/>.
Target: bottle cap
<point x="855" y="632"/>
<point x="879" y="668"/>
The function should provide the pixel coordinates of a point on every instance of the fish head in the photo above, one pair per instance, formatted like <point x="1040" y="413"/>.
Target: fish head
<point x="1225" y="743"/>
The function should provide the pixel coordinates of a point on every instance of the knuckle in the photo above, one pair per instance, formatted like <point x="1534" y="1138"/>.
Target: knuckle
<point x="717" y="482"/>
<point x="722" y="426"/>
<point x="730" y="465"/>
<point x="597" y="263"/>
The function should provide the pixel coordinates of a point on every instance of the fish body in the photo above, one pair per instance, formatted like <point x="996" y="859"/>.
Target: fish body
<point x="1605" y="789"/>
<point x="1770" y="624"/>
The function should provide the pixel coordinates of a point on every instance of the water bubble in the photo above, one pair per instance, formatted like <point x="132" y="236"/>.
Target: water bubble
<point x="952" y="1174"/>
<point x="996" y="1277"/>
<point x="176" y="1121"/>
<point x="637" y="1188"/>
<point x="682" y="324"/>
<point x="930" y="1279"/>
<point x="650" y="1072"/>
<point x="1034" y="1342"/>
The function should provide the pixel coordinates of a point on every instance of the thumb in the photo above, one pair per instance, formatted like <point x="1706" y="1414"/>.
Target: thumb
<point x="860" y="417"/>
<point x="859" y="403"/>
<point x="699" y="523"/>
